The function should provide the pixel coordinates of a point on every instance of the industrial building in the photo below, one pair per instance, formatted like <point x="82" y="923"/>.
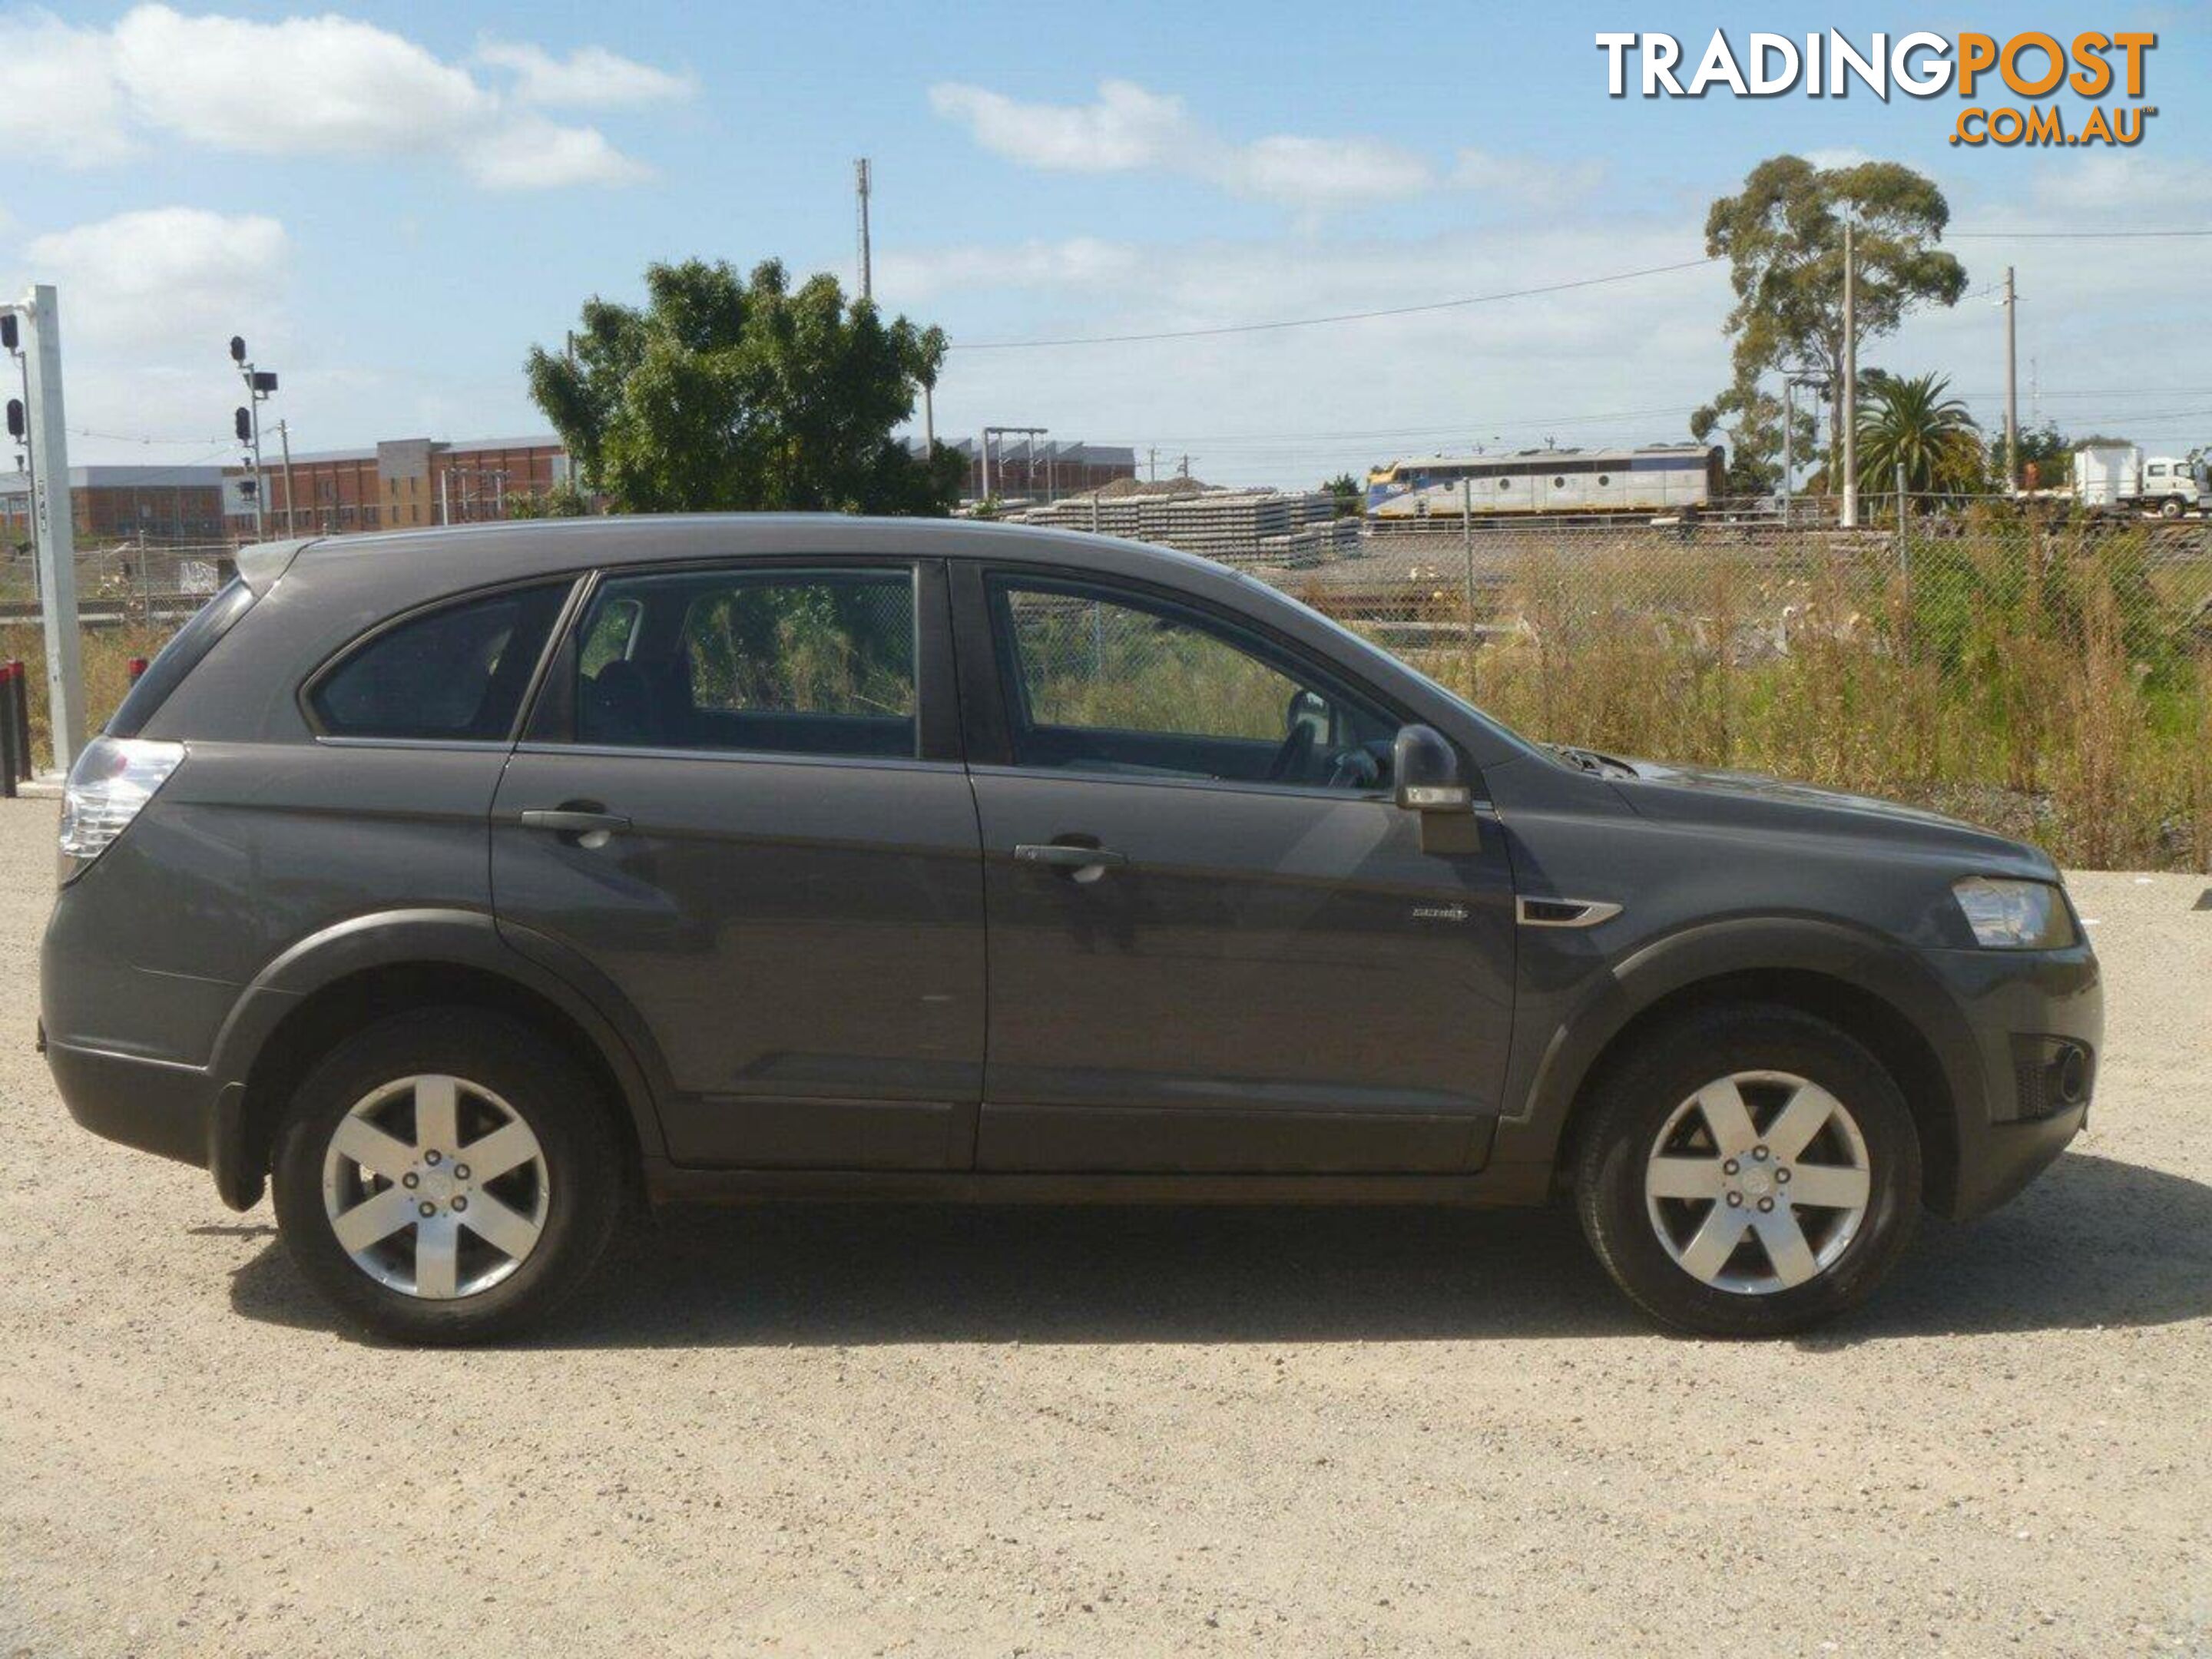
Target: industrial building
<point x="1040" y="469"/>
<point x="405" y="482"/>
<point x="130" y="503"/>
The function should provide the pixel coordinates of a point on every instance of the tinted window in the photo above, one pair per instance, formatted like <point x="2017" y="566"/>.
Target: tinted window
<point x="457" y="673"/>
<point x="809" y="662"/>
<point x="1114" y="684"/>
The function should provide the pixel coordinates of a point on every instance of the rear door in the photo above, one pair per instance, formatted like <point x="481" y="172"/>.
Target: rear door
<point x="1216" y="944"/>
<point x="742" y="802"/>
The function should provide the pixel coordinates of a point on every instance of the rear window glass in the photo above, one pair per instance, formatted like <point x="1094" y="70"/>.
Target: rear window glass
<point x="458" y="673"/>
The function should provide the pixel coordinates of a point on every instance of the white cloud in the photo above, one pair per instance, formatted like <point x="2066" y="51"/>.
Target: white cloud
<point x="537" y="154"/>
<point x="1524" y="179"/>
<point x="589" y="77"/>
<point x="1839" y="156"/>
<point x="341" y="87"/>
<point x="161" y="276"/>
<point x="1130" y="130"/>
<point x="59" y="99"/>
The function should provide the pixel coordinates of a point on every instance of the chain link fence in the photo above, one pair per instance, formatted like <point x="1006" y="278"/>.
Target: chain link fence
<point x="125" y="581"/>
<point x="2045" y="674"/>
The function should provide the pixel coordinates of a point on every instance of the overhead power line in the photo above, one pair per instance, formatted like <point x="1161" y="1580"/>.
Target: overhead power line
<point x="1219" y="330"/>
<point x="1339" y="317"/>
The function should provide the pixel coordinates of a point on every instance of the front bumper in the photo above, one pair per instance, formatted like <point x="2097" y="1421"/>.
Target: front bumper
<point x="2018" y="1006"/>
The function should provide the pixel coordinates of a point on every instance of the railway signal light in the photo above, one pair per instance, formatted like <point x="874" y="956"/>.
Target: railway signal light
<point x="7" y="338"/>
<point x="15" y="418"/>
<point x="242" y="423"/>
<point x="238" y="348"/>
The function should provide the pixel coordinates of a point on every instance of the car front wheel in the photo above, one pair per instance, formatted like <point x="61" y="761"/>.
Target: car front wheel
<point x="446" y="1176"/>
<point x="1751" y="1172"/>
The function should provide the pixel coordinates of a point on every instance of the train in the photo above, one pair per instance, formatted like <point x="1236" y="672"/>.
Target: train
<point x="1655" y="481"/>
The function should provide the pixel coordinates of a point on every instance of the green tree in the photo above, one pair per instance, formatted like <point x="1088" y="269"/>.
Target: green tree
<point x="1351" y="495"/>
<point x="1912" y="422"/>
<point x="741" y="393"/>
<point x="1783" y="236"/>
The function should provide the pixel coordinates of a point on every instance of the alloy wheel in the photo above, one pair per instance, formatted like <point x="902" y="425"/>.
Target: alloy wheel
<point x="435" y="1187"/>
<point x="1758" y="1182"/>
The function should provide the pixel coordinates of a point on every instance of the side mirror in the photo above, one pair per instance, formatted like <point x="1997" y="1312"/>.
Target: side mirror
<point x="1425" y="772"/>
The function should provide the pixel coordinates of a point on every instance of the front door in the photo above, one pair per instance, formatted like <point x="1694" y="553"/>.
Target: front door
<point x="1215" y="943"/>
<point x="745" y="807"/>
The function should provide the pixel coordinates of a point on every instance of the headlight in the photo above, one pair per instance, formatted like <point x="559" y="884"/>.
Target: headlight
<point x="114" y="777"/>
<point x="2014" y="915"/>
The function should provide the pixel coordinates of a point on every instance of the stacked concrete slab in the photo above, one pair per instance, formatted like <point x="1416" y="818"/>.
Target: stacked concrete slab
<point x="1267" y="527"/>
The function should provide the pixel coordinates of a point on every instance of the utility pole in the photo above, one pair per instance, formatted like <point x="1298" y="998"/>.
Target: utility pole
<point x="1789" y="461"/>
<point x="53" y="518"/>
<point x="2012" y="384"/>
<point x="284" y="437"/>
<point x="1850" y="411"/>
<point x="983" y="449"/>
<point x="1152" y="464"/>
<point x="861" y="189"/>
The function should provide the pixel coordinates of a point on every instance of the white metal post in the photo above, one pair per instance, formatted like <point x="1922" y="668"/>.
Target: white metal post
<point x="291" y="507"/>
<point x="54" y="515"/>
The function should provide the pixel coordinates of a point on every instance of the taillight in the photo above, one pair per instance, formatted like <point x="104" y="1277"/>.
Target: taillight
<point x="112" y="780"/>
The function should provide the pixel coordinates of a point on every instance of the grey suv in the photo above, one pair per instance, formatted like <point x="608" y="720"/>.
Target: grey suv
<point x="473" y="886"/>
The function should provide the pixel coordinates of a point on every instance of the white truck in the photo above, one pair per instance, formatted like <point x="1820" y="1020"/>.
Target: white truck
<point x="2120" y="478"/>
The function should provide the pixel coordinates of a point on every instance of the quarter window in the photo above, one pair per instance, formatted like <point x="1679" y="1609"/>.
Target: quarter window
<point x="789" y="662"/>
<point x="457" y="674"/>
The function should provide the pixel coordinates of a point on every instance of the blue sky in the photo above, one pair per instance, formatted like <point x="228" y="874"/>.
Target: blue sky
<point x="394" y="202"/>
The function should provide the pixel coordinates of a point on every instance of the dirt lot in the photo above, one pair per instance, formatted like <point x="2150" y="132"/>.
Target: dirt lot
<point x="1113" y="1432"/>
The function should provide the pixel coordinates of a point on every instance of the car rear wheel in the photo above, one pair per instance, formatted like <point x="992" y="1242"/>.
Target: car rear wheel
<point x="446" y="1176"/>
<point x="1752" y="1172"/>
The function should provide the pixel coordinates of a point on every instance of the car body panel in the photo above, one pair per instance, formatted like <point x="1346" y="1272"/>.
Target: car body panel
<point x="1338" y="999"/>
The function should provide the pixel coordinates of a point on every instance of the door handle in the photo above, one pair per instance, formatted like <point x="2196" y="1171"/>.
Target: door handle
<point x="569" y="820"/>
<point x="1061" y="857"/>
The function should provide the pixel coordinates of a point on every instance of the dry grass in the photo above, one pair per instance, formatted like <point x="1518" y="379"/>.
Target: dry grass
<point x="2055" y="684"/>
<point x="106" y="655"/>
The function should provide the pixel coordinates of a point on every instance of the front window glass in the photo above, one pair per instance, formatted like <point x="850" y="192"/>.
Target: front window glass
<point x="1108" y="682"/>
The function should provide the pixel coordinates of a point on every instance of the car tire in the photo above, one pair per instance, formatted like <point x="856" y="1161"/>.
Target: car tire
<point x="416" y="1263"/>
<point x="1689" y="1207"/>
<point x="2173" y="508"/>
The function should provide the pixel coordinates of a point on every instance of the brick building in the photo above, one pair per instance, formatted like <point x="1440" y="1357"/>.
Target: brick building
<point x="406" y="482"/>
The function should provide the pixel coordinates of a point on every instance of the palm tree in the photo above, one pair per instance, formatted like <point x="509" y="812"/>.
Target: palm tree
<point x="1913" y="421"/>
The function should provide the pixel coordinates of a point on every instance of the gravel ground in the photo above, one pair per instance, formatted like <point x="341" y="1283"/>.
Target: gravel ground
<point x="1224" y="1432"/>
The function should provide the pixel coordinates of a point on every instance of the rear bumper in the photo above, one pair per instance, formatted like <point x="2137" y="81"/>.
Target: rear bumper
<point x="157" y="1106"/>
<point x="153" y="1105"/>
